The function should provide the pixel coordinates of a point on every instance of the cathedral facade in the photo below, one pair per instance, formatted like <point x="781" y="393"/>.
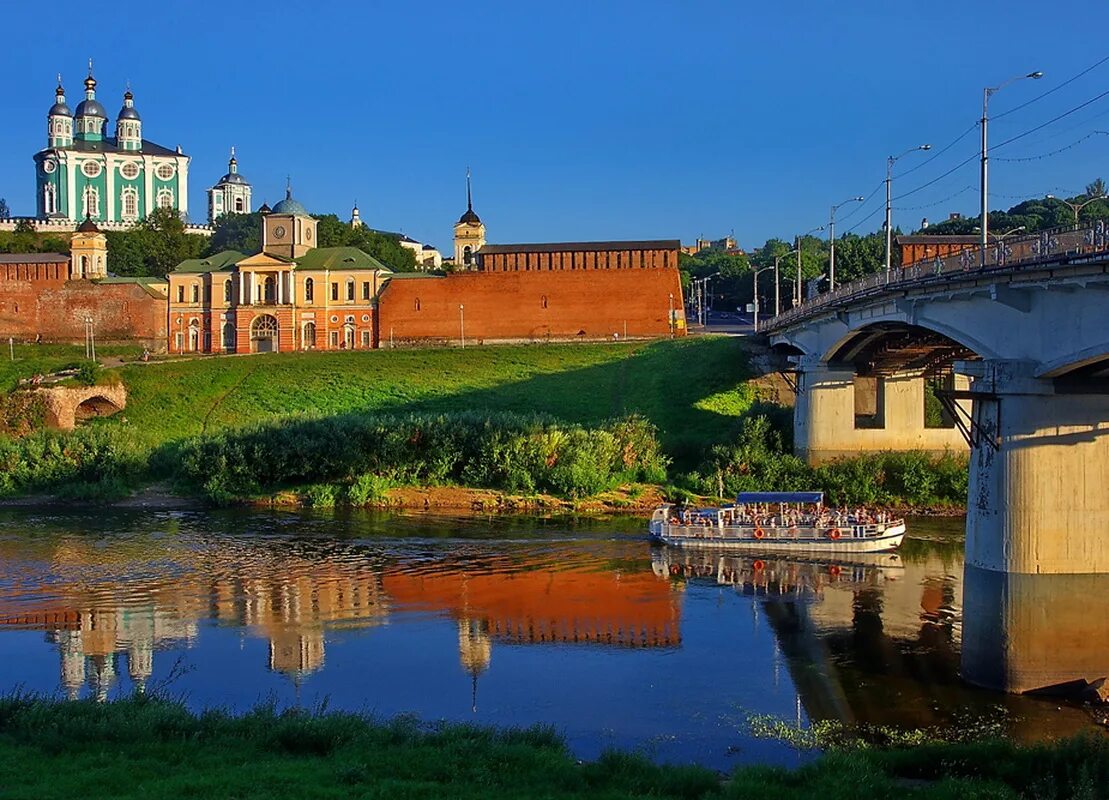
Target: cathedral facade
<point x="85" y="172"/>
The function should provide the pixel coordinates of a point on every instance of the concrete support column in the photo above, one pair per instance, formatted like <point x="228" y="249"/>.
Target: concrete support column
<point x="824" y="413"/>
<point x="1038" y="499"/>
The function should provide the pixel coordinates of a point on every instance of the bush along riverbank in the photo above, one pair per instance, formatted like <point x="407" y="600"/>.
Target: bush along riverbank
<point x="364" y="459"/>
<point x="152" y="748"/>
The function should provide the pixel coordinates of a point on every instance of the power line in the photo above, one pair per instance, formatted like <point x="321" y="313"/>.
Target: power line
<point x="958" y="166"/>
<point x="932" y="158"/>
<point x="1056" y="152"/>
<point x="862" y="205"/>
<point x="863" y="220"/>
<point x="1051" y="91"/>
<point x="938" y="202"/>
<point x="1052" y="120"/>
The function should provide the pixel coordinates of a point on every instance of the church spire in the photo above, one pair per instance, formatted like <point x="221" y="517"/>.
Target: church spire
<point x="232" y="165"/>
<point x="469" y="194"/>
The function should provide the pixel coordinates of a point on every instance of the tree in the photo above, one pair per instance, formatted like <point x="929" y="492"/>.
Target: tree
<point x="241" y="232"/>
<point x="1094" y="189"/>
<point x="386" y="248"/>
<point x="154" y="246"/>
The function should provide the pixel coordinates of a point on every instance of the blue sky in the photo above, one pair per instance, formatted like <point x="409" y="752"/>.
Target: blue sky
<point x="580" y="120"/>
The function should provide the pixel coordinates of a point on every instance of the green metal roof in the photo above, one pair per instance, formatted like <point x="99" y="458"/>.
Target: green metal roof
<point x="221" y="261"/>
<point x="339" y="258"/>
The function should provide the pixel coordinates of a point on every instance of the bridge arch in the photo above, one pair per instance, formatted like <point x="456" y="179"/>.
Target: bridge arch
<point x="896" y="346"/>
<point x="1090" y="362"/>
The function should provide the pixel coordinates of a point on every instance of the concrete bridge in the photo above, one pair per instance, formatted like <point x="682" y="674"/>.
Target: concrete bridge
<point x="68" y="405"/>
<point x="1018" y="352"/>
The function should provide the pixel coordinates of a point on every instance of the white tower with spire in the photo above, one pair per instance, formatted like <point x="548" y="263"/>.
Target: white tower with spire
<point x="231" y="195"/>
<point x="469" y="233"/>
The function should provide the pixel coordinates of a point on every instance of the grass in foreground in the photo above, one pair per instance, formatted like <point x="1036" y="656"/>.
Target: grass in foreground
<point x="151" y="748"/>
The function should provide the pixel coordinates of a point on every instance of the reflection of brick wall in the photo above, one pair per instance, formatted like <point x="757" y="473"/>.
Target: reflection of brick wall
<point x="530" y="305"/>
<point x="57" y="310"/>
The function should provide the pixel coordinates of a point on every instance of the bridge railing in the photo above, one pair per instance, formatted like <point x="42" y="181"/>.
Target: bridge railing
<point x="1048" y="245"/>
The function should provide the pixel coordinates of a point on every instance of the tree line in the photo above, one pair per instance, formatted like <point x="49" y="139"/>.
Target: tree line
<point x="154" y="246"/>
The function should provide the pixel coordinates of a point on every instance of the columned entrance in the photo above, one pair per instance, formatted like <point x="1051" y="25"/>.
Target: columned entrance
<point x="263" y="334"/>
<point x="348" y="336"/>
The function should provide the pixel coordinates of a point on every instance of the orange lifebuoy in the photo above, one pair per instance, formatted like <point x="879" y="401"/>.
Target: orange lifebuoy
<point x="758" y="566"/>
<point x="834" y="570"/>
<point x="759" y="533"/>
<point x="834" y="534"/>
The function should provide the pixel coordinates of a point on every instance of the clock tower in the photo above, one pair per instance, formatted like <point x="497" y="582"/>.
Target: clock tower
<point x="288" y="231"/>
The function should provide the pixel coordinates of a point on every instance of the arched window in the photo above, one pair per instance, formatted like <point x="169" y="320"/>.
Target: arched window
<point x="91" y="201"/>
<point x="228" y="336"/>
<point x="543" y="302"/>
<point x="308" y="340"/>
<point x="350" y="288"/>
<point x="309" y="291"/>
<point x="467" y="255"/>
<point x="49" y="199"/>
<point x="194" y="336"/>
<point x="269" y="290"/>
<point x="129" y="201"/>
<point x="84" y="266"/>
<point x="417" y="304"/>
<point x="165" y="198"/>
<point x="227" y="291"/>
<point x="239" y="204"/>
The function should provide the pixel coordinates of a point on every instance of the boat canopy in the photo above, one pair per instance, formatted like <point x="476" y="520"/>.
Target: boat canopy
<point x="780" y="497"/>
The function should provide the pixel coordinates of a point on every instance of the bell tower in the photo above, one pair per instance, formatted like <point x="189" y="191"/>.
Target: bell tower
<point x="469" y="234"/>
<point x="288" y="231"/>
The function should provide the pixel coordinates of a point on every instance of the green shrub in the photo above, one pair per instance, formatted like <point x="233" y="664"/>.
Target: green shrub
<point x="86" y="373"/>
<point x="367" y="452"/>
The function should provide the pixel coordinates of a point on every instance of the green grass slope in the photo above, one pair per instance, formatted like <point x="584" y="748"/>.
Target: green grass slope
<point x="691" y="389"/>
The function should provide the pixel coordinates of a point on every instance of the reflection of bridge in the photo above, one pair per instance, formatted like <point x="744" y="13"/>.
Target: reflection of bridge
<point x="1029" y="333"/>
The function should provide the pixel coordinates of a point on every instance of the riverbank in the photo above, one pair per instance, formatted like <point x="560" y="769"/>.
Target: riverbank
<point x="151" y="748"/>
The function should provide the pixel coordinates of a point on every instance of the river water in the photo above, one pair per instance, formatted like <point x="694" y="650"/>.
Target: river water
<point x="576" y="623"/>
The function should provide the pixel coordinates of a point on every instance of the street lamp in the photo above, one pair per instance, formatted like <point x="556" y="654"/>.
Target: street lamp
<point x="671" y="315"/>
<point x="832" y="241"/>
<point x="756" y="303"/>
<point x="699" y="295"/>
<point x="462" y="324"/>
<point x="797" y="286"/>
<point x="777" y="283"/>
<point x="986" y="94"/>
<point x="1075" y="207"/>
<point x="1000" y="237"/>
<point x="889" y="200"/>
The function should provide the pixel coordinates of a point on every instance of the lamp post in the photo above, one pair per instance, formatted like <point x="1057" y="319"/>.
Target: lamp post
<point x="1075" y="207"/>
<point x="462" y="324"/>
<point x="90" y="344"/>
<point x="777" y="284"/>
<point x="889" y="199"/>
<point x="671" y="315"/>
<point x="700" y="287"/>
<point x="832" y="240"/>
<point x="756" y="303"/>
<point x="797" y="248"/>
<point x="986" y="94"/>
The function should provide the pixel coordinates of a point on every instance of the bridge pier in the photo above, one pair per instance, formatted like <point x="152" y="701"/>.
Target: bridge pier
<point x="1039" y="474"/>
<point x="838" y="415"/>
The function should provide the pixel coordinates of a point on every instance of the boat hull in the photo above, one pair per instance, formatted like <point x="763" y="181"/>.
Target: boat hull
<point x="691" y="536"/>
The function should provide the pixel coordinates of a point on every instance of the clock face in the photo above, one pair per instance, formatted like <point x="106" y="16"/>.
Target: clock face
<point x="279" y="231"/>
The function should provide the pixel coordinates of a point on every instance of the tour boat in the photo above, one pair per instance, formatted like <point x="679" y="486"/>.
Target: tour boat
<point x="775" y="522"/>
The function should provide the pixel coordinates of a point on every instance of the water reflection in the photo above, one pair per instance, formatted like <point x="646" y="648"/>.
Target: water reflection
<point x="579" y="624"/>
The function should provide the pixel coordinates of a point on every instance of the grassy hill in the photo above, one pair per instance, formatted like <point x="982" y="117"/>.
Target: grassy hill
<point x="691" y="389"/>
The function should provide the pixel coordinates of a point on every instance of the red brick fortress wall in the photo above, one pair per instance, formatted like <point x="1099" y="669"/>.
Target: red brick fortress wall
<point x="528" y="305"/>
<point x="57" y="310"/>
